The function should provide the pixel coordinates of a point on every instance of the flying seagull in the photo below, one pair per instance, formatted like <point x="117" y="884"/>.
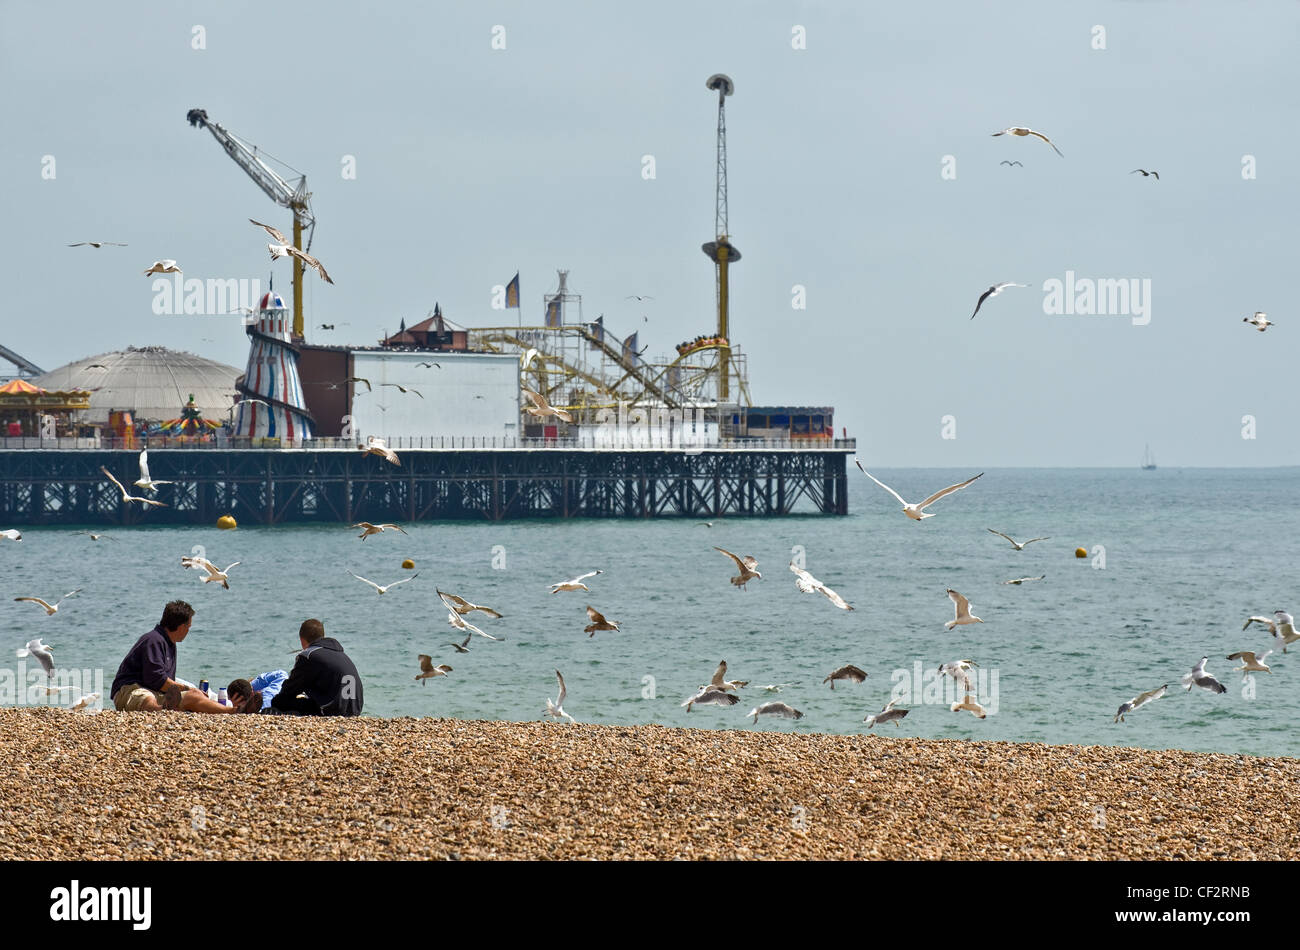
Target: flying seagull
<point x="126" y="496"/>
<point x="1017" y="130"/>
<point x="1251" y="663"/>
<point x="959" y="670"/>
<point x="283" y="246"/>
<point x="360" y="379"/>
<point x="85" y="701"/>
<point x="463" y="646"/>
<point x="917" y="512"/>
<point x="456" y="620"/>
<point x="428" y="670"/>
<point x="97" y="244"/>
<point x="163" y="267"/>
<point x="1260" y="321"/>
<point x="1139" y="700"/>
<point x="367" y="529"/>
<point x="43" y="653"/>
<point x="1019" y="545"/>
<point x="993" y="292"/>
<point x="1198" y="677"/>
<point x="1004" y="162"/>
<point x="540" y="407"/>
<point x="429" y="366"/>
<point x="556" y="709"/>
<point x="888" y="714"/>
<point x="386" y="588"/>
<point x="575" y="584"/>
<point x="775" y="709"/>
<point x="379" y="447"/>
<point x="1285" y="632"/>
<point x="404" y="389"/>
<point x="463" y="606"/>
<point x="13" y="534"/>
<point x="598" y="622"/>
<point x="964" y="615"/>
<point x="718" y="682"/>
<point x="206" y="565"/>
<point x="635" y="297"/>
<point x="808" y="584"/>
<point x="747" y="566"/>
<point x="850" y="673"/>
<point x="144" y="480"/>
<point x="1267" y="622"/>
<point x="1021" y="580"/>
<point x="1145" y="173"/>
<point x="970" y="705"/>
<point x="51" y="609"/>
<point x="711" y="696"/>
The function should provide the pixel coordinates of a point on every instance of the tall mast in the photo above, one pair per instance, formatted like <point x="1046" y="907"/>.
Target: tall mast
<point x="721" y="251"/>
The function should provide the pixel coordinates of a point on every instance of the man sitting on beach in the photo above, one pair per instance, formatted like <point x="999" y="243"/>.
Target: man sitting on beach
<point x="324" y="673"/>
<point x="146" y="680"/>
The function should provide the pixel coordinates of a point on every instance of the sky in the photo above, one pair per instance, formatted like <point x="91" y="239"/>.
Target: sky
<point x="862" y="169"/>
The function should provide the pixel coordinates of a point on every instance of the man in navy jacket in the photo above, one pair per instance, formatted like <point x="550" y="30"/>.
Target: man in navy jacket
<point x="326" y="676"/>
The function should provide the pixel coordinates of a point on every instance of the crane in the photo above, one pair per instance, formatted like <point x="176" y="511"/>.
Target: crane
<point x="294" y="197"/>
<point x="721" y="251"/>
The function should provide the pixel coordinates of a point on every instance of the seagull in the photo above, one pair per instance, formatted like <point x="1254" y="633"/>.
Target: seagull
<point x="430" y="366"/>
<point x="367" y="529"/>
<point x="326" y="326"/>
<point x="707" y="524"/>
<point x="1260" y="321"/>
<point x="43" y="653"/>
<point x="51" y="690"/>
<point x="51" y="610"/>
<point x="1003" y="162"/>
<point x="1286" y="631"/>
<point x="993" y="292"/>
<point x="850" y="672"/>
<point x="807" y="584"/>
<point x="456" y="620"/>
<point x="774" y="687"/>
<point x="100" y="537"/>
<point x="556" y="708"/>
<point x="1145" y="173"/>
<point x="575" y="584"/>
<point x="635" y="297"/>
<point x="916" y="512"/>
<point x="376" y="446"/>
<point x="463" y="646"/>
<point x="1017" y="130"/>
<point x="540" y="407"/>
<point x="385" y="589"/>
<point x="127" y="497"/>
<point x="959" y="670"/>
<point x="969" y="704"/>
<point x="163" y="267"/>
<point x="1021" y="580"/>
<point x="723" y="684"/>
<point x="428" y="670"/>
<point x="283" y="247"/>
<point x="360" y="379"/>
<point x="527" y="358"/>
<point x="1198" y="677"/>
<point x="1139" y="700"/>
<point x="598" y="622"/>
<point x="85" y="701"/>
<point x="145" y="481"/>
<point x="1251" y="663"/>
<point x="96" y="244"/>
<point x="747" y="566"/>
<point x="963" y="611"/>
<point x="213" y="574"/>
<point x="888" y="714"/>
<point x="404" y="389"/>
<point x="13" y="534"/>
<point x="463" y="606"/>
<point x="1019" y="545"/>
<point x="775" y="709"/>
<point x="709" y="696"/>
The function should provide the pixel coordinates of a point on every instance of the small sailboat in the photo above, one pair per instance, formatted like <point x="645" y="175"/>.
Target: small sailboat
<point x="1148" y="460"/>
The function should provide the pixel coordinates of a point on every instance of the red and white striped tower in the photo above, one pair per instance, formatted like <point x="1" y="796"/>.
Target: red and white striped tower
<point x="272" y="376"/>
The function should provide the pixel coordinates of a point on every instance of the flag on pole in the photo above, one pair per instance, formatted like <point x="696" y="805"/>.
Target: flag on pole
<point x="512" y="293"/>
<point x="553" y="318"/>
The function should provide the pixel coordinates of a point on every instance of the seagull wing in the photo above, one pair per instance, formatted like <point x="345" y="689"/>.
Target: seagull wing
<point x="114" y="481"/>
<point x="360" y="578"/>
<point x="595" y="616"/>
<point x="881" y="484"/>
<point x="583" y="577"/>
<point x="426" y="663"/>
<point x="984" y="296"/>
<point x="740" y="565"/>
<point x="404" y="580"/>
<point x="718" y="674"/>
<point x="947" y="491"/>
<point x="144" y="466"/>
<point x="1048" y="141"/>
<point x="1032" y="540"/>
<point x="835" y="598"/>
<point x="1272" y="627"/>
<point x="35" y="600"/>
<point x="67" y="595"/>
<point x="1246" y="655"/>
<point x="1149" y="695"/>
<point x="1001" y="535"/>
<point x="274" y="232"/>
<point x="395" y="527"/>
<point x="963" y="605"/>
<point x="559" y="700"/>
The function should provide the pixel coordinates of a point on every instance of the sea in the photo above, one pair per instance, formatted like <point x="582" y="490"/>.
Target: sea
<point x="1174" y="561"/>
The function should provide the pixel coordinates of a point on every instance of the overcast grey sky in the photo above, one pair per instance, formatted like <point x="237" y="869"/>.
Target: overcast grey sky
<point x="474" y="162"/>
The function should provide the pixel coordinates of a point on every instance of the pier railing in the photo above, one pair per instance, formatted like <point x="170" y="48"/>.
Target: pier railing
<point x="448" y="443"/>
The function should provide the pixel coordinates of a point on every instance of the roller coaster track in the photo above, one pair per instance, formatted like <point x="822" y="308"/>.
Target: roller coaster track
<point x="25" y="367"/>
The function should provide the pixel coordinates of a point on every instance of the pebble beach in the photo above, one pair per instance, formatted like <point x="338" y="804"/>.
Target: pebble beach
<point x="173" y="785"/>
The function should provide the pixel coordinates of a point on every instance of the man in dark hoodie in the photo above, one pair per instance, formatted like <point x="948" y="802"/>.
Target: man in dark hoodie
<point x="324" y="673"/>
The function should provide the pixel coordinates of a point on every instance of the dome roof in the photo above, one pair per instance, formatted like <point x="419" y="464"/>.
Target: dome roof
<point x="151" y="382"/>
<point x="272" y="301"/>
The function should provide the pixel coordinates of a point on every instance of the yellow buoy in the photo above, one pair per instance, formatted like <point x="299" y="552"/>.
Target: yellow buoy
<point x="408" y="564"/>
<point x="226" y="522"/>
<point x="1080" y="552"/>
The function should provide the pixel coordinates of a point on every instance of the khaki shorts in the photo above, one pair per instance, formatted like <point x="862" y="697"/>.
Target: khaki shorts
<point x="131" y="698"/>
